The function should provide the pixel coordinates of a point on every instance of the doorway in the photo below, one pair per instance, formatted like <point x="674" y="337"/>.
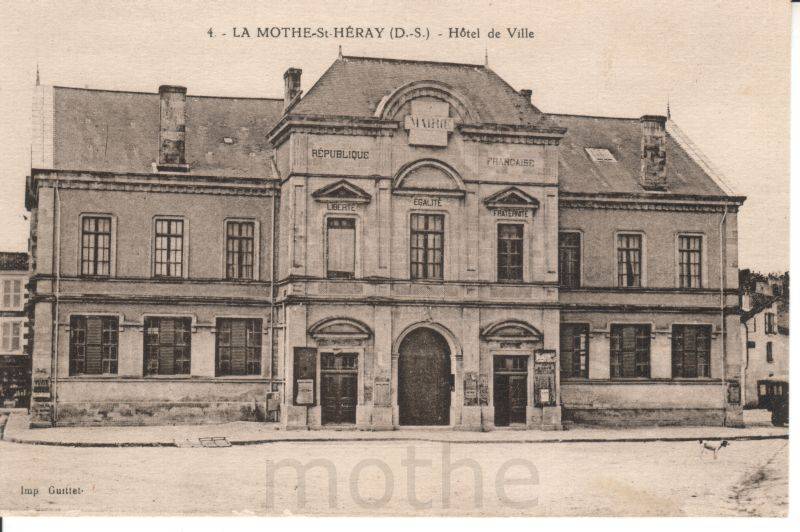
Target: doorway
<point x="424" y="379"/>
<point x="510" y="389"/>
<point x="339" y="389"/>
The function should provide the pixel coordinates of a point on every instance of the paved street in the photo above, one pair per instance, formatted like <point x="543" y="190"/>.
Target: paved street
<point x="657" y="478"/>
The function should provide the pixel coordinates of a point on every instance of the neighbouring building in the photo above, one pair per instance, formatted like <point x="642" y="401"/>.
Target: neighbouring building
<point x="407" y="243"/>
<point x="765" y="325"/>
<point x="15" y="369"/>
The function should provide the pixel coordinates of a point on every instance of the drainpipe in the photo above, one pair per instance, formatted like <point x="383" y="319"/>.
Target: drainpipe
<point x="57" y="258"/>
<point x="722" y="302"/>
<point x="271" y="305"/>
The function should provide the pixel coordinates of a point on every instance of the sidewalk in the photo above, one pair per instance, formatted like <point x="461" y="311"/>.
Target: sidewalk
<point x="250" y="433"/>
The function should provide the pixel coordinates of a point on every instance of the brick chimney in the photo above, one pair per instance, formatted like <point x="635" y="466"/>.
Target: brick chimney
<point x="527" y="94"/>
<point x="172" y="135"/>
<point x="654" y="152"/>
<point x="291" y="86"/>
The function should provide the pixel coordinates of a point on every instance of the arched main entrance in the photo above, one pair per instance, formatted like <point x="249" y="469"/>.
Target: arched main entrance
<point x="423" y="394"/>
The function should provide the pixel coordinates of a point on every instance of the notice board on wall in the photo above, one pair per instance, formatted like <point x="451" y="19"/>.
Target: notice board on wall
<point x="305" y="375"/>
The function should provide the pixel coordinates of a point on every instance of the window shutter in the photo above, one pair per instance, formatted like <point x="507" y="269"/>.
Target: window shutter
<point x="94" y="342"/>
<point x="6" y="336"/>
<point x="238" y="351"/>
<point x="166" y="351"/>
<point x="677" y="351"/>
<point x="566" y="351"/>
<point x="628" y="351"/>
<point x="7" y="293"/>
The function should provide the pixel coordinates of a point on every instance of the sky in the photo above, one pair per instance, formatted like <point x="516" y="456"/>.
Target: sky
<point x="723" y="66"/>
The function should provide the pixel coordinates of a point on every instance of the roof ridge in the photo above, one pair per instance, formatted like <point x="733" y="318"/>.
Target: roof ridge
<point x="578" y="115"/>
<point x="421" y="61"/>
<point x="121" y="91"/>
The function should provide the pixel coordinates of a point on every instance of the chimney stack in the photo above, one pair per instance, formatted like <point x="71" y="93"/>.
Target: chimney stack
<point x="527" y="94"/>
<point x="172" y="135"/>
<point x="291" y="86"/>
<point x="654" y="152"/>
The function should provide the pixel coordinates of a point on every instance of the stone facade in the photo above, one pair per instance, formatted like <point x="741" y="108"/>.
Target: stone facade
<point x="401" y="245"/>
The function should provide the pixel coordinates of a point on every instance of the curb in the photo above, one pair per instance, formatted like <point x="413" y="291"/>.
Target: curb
<point x="754" y="437"/>
<point x="238" y="443"/>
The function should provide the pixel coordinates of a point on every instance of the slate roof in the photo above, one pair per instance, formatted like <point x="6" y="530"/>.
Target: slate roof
<point x="99" y="130"/>
<point x="113" y="131"/>
<point x="578" y="173"/>
<point x="354" y="86"/>
<point x="13" y="261"/>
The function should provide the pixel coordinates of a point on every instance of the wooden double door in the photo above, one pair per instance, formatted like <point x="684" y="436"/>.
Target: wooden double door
<point x="339" y="389"/>
<point x="510" y="390"/>
<point x="424" y="379"/>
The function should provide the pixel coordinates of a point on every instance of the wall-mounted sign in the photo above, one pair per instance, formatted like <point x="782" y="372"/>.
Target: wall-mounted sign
<point x="338" y="153"/>
<point x="470" y="389"/>
<point x="383" y="393"/>
<point x="342" y="207"/>
<point x="305" y="371"/>
<point x="426" y="201"/>
<point x="509" y="212"/>
<point x="429" y="123"/>
<point x="483" y="390"/>
<point x="305" y="392"/>
<point x="509" y="161"/>
<point x="545" y="355"/>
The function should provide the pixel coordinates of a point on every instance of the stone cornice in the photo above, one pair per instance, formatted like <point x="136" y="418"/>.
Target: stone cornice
<point x="643" y="202"/>
<point x="510" y="134"/>
<point x="330" y="125"/>
<point x="185" y="184"/>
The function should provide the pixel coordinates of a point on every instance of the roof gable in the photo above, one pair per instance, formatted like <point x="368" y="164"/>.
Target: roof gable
<point x="342" y="89"/>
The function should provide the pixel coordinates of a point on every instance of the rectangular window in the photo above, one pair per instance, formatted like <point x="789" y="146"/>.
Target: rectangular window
<point x="93" y="345"/>
<point x="769" y="323"/>
<point x="167" y="346"/>
<point x="168" y="259"/>
<point x="341" y="242"/>
<point x="11" y="336"/>
<point x="427" y="246"/>
<point x="12" y="293"/>
<point x="509" y="252"/>
<point x="569" y="259"/>
<point x="630" y="351"/>
<point x="769" y="352"/>
<point x="629" y="260"/>
<point x="574" y="350"/>
<point x="96" y="245"/>
<point x="691" y="351"/>
<point x="239" y="249"/>
<point x="690" y="254"/>
<point x="238" y="347"/>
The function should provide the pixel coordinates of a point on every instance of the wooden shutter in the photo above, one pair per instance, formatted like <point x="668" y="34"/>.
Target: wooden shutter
<point x="166" y="350"/>
<point x="238" y="347"/>
<point x="566" y="351"/>
<point x="94" y="345"/>
<point x="628" y="351"/>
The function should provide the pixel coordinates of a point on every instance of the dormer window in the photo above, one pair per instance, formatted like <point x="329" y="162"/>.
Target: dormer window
<point x="601" y="155"/>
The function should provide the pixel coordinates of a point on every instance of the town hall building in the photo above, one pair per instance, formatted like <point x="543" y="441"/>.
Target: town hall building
<point x="406" y="243"/>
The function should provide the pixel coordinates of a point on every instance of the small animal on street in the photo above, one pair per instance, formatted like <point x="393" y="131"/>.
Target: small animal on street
<point x="712" y="446"/>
